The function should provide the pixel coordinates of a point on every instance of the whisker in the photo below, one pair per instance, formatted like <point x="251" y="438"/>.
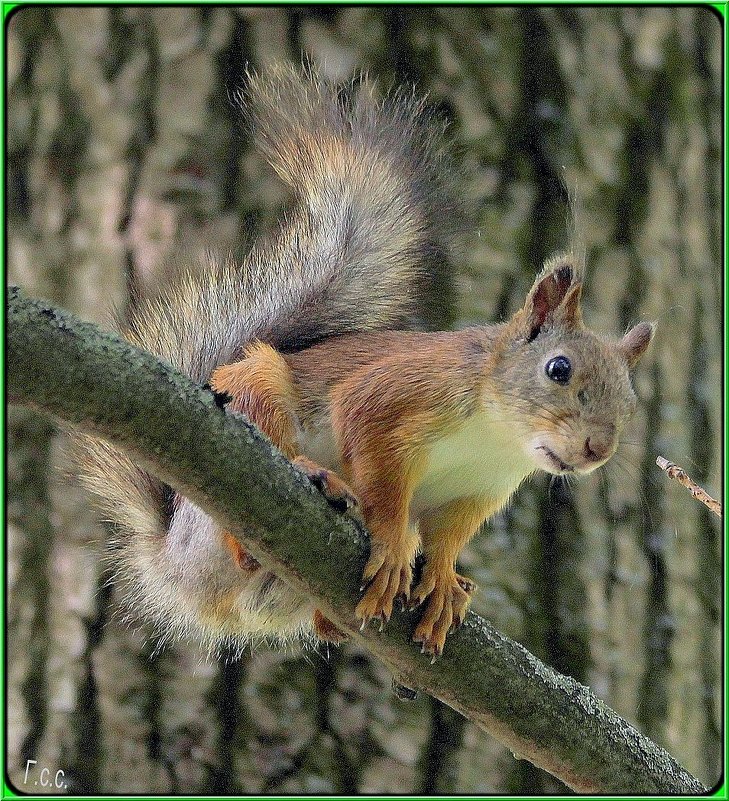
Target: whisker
<point x="629" y="470"/>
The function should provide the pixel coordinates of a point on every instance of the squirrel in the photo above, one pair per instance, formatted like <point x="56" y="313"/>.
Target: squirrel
<point x="427" y="433"/>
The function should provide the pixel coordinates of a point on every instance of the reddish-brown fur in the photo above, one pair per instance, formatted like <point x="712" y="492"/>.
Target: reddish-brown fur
<point x="384" y="399"/>
<point x="384" y="407"/>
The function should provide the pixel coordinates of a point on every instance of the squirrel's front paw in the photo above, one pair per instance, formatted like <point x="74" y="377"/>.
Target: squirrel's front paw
<point x="448" y="597"/>
<point x="387" y="576"/>
<point x="336" y="491"/>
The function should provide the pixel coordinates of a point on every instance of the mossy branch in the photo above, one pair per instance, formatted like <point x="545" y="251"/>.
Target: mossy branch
<point x="73" y="370"/>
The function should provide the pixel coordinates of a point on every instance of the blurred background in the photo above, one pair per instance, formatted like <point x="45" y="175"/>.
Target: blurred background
<point x="126" y="158"/>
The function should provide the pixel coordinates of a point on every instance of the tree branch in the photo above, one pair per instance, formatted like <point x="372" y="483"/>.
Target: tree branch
<point x="73" y="370"/>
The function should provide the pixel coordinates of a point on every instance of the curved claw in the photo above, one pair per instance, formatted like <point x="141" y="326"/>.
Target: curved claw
<point x="403" y="692"/>
<point x="466" y="584"/>
<point x="456" y="624"/>
<point x="414" y="602"/>
<point x="336" y="491"/>
<point x="447" y="603"/>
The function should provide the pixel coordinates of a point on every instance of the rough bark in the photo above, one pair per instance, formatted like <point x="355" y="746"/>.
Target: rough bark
<point x="87" y="377"/>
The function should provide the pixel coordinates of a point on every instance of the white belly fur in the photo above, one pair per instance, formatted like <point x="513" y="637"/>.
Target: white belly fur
<point x="481" y="459"/>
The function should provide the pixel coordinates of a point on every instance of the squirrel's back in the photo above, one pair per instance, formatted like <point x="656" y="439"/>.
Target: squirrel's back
<point x="358" y="251"/>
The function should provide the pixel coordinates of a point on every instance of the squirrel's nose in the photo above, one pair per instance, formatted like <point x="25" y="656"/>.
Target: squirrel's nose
<point x="596" y="451"/>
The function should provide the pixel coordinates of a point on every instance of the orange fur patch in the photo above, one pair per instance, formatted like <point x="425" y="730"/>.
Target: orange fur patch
<point x="243" y="559"/>
<point x="262" y="388"/>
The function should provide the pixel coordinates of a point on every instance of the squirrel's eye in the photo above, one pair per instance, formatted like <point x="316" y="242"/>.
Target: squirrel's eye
<point x="558" y="369"/>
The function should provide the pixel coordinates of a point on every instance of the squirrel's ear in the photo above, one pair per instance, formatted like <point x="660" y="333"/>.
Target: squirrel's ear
<point x="569" y="312"/>
<point x="634" y="344"/>
<point x="556" y="290"/>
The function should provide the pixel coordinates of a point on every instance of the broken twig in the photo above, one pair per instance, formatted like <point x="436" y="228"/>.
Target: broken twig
<point x="679" y="474"/>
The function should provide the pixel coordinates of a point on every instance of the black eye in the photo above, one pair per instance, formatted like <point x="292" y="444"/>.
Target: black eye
<point x="558" y="369"/>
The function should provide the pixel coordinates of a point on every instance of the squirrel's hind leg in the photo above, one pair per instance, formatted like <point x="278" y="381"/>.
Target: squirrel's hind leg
<point x="261" y="386"/>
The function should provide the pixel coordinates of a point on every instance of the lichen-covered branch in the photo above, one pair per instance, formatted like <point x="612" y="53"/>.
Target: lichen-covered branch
<point x="90" y="378"/>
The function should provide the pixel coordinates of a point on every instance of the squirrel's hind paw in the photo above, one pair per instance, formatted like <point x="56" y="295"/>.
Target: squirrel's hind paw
<point x="243" y="559"/>
<point x="326" y="630"/>
<point x="336" y="491"/>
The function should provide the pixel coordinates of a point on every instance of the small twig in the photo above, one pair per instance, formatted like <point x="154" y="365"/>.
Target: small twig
<point x="679" y="474"/>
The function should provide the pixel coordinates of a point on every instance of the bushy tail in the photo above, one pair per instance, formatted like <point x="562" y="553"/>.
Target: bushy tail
<point x="358" y="251"/>
<point x="371" y="222"/>
<point x="369" y="228"/>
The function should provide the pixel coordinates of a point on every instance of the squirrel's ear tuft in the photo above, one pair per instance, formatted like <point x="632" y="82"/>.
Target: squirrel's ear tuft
<point x="635" y="343"/>
<point x="554" y="296"/>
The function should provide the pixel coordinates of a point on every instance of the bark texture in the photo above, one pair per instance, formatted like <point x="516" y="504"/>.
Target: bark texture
<point x="126" y="162"/>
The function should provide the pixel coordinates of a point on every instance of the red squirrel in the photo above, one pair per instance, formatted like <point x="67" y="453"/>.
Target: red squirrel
<point x="430" y="433"/>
